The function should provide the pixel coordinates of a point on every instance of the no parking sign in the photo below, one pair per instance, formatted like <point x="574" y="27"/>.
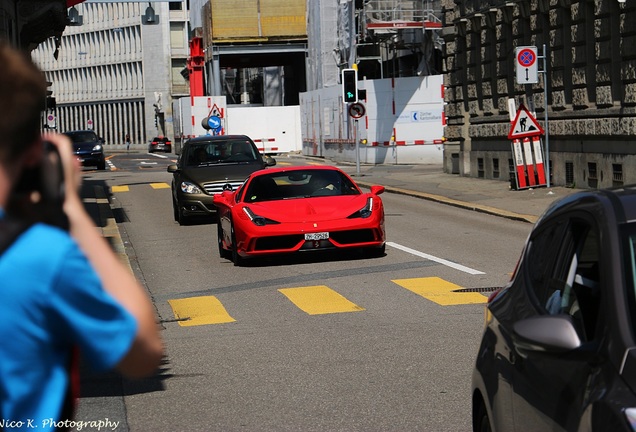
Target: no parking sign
<point x="526" y="65"/>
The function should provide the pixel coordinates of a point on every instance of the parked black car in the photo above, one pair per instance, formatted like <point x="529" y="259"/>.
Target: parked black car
<point x="208" y="165"/>
<point x="88" y="147"/>
<point x="160" y="143"/>
<point x="559" y="348"/>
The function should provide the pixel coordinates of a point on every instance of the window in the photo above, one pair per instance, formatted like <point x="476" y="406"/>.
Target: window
<point x="564" y="272"/>
<point x="177" y="36"/>
<point x="178" y="65"/>
<point x="592" y="178"/>
<point x="541" y="258"/>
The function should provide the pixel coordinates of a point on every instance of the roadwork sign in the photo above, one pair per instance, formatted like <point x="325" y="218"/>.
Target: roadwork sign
<point x="524" y="125"/>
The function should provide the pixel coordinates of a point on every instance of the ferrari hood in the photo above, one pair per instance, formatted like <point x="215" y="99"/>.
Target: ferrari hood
<point x="310" y="209"/>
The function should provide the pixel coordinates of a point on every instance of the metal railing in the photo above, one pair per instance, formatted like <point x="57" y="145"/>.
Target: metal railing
<point x="401" y="13"/>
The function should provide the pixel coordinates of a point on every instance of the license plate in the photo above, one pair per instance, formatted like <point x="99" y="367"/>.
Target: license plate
<point x="317" y="236"/>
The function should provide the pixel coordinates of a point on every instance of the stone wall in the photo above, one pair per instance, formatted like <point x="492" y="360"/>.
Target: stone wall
<point x="591" y="81"/>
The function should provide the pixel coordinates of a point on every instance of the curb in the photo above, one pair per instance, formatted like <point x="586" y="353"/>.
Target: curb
<point x="109" y="228"/>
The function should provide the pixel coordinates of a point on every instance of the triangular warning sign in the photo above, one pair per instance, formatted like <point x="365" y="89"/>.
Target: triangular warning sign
<point x="524" y="125"/>
<point x="215" y="111"/>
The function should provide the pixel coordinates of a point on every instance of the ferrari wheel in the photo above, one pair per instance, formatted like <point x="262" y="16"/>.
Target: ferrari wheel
<point x="223" y="253"/>
<point x="236" y="258"/>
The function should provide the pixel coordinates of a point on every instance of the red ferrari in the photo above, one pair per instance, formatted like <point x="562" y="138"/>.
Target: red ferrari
<point x="303" y="208"/>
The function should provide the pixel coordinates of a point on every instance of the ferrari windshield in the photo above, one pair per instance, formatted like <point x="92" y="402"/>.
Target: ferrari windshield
<point x="299" y="184"/>
<point x="220" y="151"/>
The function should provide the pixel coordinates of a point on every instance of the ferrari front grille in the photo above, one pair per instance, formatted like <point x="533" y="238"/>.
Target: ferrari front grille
<point x="278" y="242"/>
<point x="352" y="237"/>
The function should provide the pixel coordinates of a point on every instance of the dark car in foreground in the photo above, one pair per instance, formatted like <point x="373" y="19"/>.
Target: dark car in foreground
<point x="209" y="165"/>
<point x="88" y="147"/>
<point x="160" y="143"/>
<point x="559" y="348"/>
<point x="299" y="209"/>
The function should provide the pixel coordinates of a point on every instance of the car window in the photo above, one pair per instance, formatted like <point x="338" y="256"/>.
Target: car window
<point x="299" y="184"/>
<point x="81" y="137"/>
<point x="198" y="155"/>
<point x="630" y="274"/>
<point x="541" y="259"/>
<point x="564" y="272"/>
<point x="584" y="301"/>
<point x="221" y="151"/>
<point x="240" y="151"/>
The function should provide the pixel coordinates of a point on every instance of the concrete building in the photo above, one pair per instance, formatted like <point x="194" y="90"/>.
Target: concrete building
<point x="590" y="79"/>
<point x="118" y="71"/>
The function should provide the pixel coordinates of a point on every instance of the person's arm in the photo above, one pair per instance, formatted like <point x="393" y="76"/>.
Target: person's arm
<point x="146" y="352"/>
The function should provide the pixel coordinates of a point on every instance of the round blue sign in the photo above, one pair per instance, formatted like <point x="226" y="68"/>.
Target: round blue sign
<point x="214" y="122"/>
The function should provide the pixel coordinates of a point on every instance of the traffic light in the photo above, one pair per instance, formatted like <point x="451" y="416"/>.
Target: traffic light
<point x="50" y="103"/>
<point x="349" y="85"/>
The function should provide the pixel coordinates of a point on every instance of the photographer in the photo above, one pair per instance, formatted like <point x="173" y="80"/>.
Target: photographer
<point x="61" y="290"/>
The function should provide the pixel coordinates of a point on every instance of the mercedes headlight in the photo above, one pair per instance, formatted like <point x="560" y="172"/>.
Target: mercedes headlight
<point x="190" y="188"/>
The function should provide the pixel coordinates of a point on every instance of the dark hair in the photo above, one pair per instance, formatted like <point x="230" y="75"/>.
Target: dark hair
<point x="23" y="95"/>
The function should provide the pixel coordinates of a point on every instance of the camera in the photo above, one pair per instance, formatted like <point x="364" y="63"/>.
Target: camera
<point x="39" y="193"/>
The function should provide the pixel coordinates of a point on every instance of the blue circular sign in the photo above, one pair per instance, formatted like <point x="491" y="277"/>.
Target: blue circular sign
<point x="214" y="122"/>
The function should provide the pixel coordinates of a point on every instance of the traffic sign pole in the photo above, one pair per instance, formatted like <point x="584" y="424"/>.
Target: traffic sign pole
<point x="545" y="114"/>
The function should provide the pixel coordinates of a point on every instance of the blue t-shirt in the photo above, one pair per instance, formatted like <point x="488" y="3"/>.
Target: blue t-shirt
<point x="51" y="300"/>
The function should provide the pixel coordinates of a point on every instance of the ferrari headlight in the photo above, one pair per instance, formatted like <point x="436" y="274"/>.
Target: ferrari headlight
<point x="365" y="211"/>
<point x="190" y="188"/>
<point x="258" y="220"/>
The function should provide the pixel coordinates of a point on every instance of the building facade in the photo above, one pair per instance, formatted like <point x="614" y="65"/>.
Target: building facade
<point x="117" y="73"/>
<point x="589" y="77"/>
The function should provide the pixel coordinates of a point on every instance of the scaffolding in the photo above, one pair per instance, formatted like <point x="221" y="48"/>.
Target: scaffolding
<point x="401" y="35"/>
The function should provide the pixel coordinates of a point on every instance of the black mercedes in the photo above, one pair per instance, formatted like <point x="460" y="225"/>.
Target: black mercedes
<point x="208" y="165"/>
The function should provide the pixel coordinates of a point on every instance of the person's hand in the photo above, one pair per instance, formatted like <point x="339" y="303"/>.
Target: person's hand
<point x="71" y="168"/>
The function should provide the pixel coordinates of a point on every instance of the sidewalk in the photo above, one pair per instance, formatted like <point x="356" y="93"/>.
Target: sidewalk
<point x="430" y="182"/>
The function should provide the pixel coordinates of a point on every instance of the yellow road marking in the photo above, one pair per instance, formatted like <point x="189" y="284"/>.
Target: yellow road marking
<point x="115" y="189"/>
<point x="317" y="300"/>
<point x="160" y="185"/>
<point x="440" y="291"/>
<point x="202" y="310"/>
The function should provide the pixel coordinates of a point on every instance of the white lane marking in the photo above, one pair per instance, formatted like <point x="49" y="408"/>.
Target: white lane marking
<point x="159" y="155"/>
<point x="436" y="259"/>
